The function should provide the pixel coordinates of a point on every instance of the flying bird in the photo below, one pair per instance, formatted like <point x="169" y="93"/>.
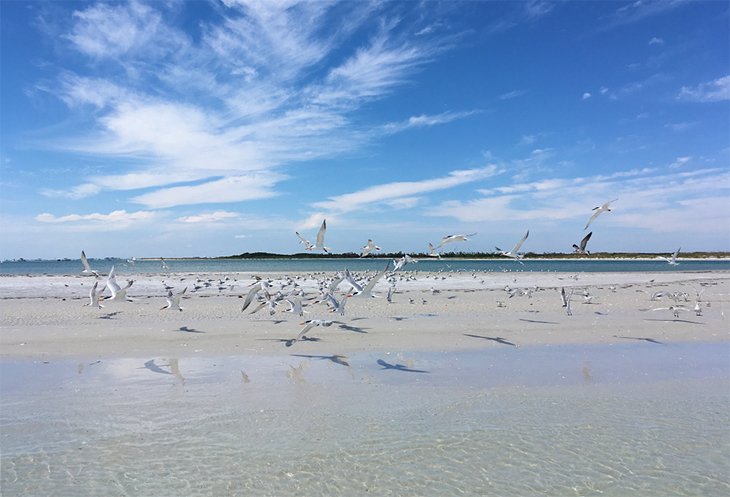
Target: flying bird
<point x="307" y="244"/>
<point x="598" y="210"/>
<point x="672" y="259"/>
<point x="319" y="243"/>
<point x="514" y="253"/>
<point x="582" y="248"/>
<point x="118" y="293"/>
<point x="369" y="248"/>
<point x="94" y="296"/>
<point x="87" y="267"/>
<point x="173" y="300"/>
<point x="311" y="323"/>
<point x="454" y="238"/>
<point x="432" y="251"/>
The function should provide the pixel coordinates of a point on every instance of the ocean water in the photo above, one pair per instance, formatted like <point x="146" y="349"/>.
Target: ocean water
<point x="631" y="419"/>
<point x="72" y="267"/>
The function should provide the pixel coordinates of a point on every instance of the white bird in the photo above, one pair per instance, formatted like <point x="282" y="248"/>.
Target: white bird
<point x="672" y="259"/>
<point x="514" y="253"/>
<point x="337" y="305"/>
<point x="295" y="306"/>
<point x="357" y="287"/>
<point x="87" y="267"/>
<point x="676" y="309"/>
<point x="566" y="300"/>
<point x="432" y="251"/>
<point x="307" y="244"/>
<point x="319" y="243"/>
<point x="94" y="296"/>
<point x="369" y="248"/>
<point x="581" y="249"/>
<point x="311" y="323"/>
<point x="598" y="210"/>
<point x="118" y="293"/>
<point x="454" y="238"/>
<point x="367" y="289"/>
<point x="261" y="285"/>
<point x="173" y="300"/>
<point x="389" y="297"/>
<point x="400" y="263"/>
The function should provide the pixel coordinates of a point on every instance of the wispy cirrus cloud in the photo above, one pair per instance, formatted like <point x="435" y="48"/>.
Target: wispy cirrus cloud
<point x="120" y="218"/>
<point x="403" y="192"/>
<point x="717" y="90"/>
<point x="424" y="121"/>
<point x="265" y="86"/>
<point x="208" y="217"/>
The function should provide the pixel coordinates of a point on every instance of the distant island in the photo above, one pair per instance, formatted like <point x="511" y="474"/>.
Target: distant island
<point x="477" y="255"/>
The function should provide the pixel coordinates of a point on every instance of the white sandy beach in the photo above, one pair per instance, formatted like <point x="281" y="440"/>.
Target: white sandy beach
<point x="45" y="316"/>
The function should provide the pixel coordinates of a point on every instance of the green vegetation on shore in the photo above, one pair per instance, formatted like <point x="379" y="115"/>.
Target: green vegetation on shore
<point x="478" y="255"/>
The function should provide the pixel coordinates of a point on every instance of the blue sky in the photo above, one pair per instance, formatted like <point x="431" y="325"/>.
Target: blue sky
<point x="173" y="128"/>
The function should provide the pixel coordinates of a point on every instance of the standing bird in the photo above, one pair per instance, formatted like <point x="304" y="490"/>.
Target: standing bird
<point x="598" y="210"/>
<point x="582" y="248"/>
<point x="369" y="248"/>
<point x="514" y="253"/>
<point x="173" y="301"/>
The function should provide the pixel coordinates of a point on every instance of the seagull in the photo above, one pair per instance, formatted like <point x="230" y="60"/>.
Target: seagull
<point x="566" y="300"/>
<point x="118" y="293"/>
<point x="582" y="248"/>
<point x="674" y="308"/>
<point x="338" y="305"/>
<point x="261" y="285"/>
<point x="94" y="296"/>
<point x="307" y="244"/>
<point x="87" y="267"/>
<point x="369" y="248"/>
<point x="454" y="238"/>
<point x="603" y="208"/>
<point x="311" y="323"/>
<point x="432" y="251"/>
<point x="514" y="253"/>
<point x="173" y="301"/>
<point x="296" y="306"/>
<point x="672" y="259"/>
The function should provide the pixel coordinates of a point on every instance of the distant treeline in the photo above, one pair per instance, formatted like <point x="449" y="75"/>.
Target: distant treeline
<point x="478" y="255"/>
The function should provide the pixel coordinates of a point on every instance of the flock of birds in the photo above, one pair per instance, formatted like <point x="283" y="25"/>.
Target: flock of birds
<point x="292" y="295"/>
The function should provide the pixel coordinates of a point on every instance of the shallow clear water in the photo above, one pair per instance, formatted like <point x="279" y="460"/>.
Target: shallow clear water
<point x="637" y="419"/>
<point x="72" y="267"/>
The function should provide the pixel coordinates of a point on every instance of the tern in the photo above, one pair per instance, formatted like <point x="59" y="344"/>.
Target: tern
<point x="454" y="238"/>
<point x="118" y="293"/>
<point x="514" y="253"/>
<point x="261" y="285"/>
<point x="432" y="251"/>
<point x="367" y="290"/>
<point x="672" y="259"/>
<point x="319" y="243"/>
<point x="566" y="300"/>
<point x="582" y="248"/>
<point x="173" y="300"/>
<point x="311" y="323"/>
<point x="400" y="263"/>
<point x="307" y="244"/>
<point x="87" y="267"/>
<point x="369" y="248"/>
<point x="598" y="210"/>
<point x="337" y="305"/>
<point x="94" y="296"/>
<point x="295" y="306"/>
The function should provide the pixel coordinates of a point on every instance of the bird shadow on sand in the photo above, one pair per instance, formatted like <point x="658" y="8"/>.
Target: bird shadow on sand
<point x="494" y="339"/>
<point x="152" y="366"/>
<point x="337" y="359"/>
<point x="288" y="342"/>
<point x="356" y="329"/>
<point x="650" y="340"/>
<point x="109" y="315"/>
<point x="187" y="329"/>
<point x="686" y="321"/>
<point x="537" y="321"/>
<point x="399" y="367"/>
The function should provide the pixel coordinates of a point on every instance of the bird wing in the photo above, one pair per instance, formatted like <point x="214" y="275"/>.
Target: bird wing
<point x="594" y="216"/>
<point x="584" y="241"/>
<point x="519" y="244"/>
<point x="320" y="234"/>
<point x="351" y="281"/>
<point x="85" y="262"/>
<point x="307" y="244"/>
<point x="111" y="283"/>
<point x="310" y="324"/>
<point x="251" y="294"/>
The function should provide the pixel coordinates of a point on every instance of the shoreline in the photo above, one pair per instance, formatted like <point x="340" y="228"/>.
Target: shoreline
<point x="44" y="317"/>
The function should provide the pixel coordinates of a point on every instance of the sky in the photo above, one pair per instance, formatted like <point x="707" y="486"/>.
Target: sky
<point x="205" y="128"/>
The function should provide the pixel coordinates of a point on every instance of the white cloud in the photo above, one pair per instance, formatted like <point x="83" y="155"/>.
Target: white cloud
<point x="208" y="217"/>
<point x="512" y="94"/>
<point x="679" y="162"/>
<point x="656" y="41"/>
<point x="119" y="217"/>
<point x="390" y="192"/>
<point x="425" y="121"/>
<point x="75" y="193"/>
<point x="586" y="96"/>
<point x="717" y="90"/>
<point x="229" y="189"/>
